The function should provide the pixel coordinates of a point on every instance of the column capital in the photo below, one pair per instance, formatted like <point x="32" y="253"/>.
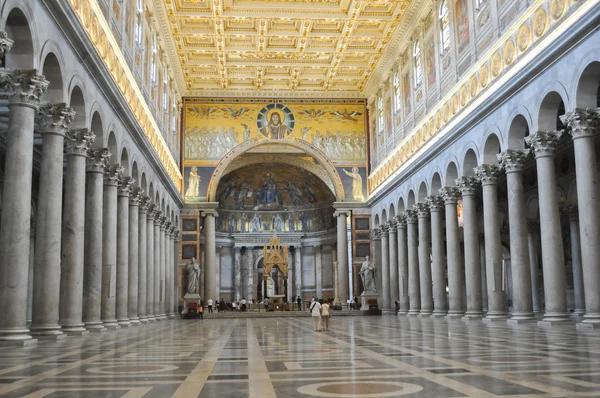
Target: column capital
<point x="344" y="213"/>
<point x="450" y="194"/>
<point x="385" y="229"/>
<point x="401" y="221"/>
<point x="571" y="211"/>
<point x="22" y="87"/>
<point x="112" y="174"/>
<point x="543" y="142"/>
<point x="97" y="159"/>
<point x="513" y="160"/>
<point x="157" y="216"/>
<point x="488" y="174"/>
<point x="393" y="224"/>
<point x="162" y="220"/>
<point x="435" y="203"/>
<point x="136" y="196"/>
<point x="468" y="185"/>
<point x="144" y="202"/>
<point x="582" y="122"/>
<point x="151" y="209"/>
<point x="54" y="118"/>
<point x="213" y="213"/>
<point x="177" y="235"/>
<point x="125" y="185"/>
<point x="376" y="234"/>
<point x="78" y="142"/>
<point x="5" y="44"/>
<point x="422" y="210"/>
<point x="411" y="216"/>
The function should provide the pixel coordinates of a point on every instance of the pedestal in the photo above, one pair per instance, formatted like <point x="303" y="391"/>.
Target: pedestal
<point x="368" y="299"/>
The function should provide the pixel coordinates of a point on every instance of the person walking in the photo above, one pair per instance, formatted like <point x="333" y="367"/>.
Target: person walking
<point x="315" y="311"/>
<point x="210" y="305"/>
<point x="397" y="306"/>
<point x="201" y="311"/>
<point x="267" y="304"/>
<point x="325" y="315"/>
<point x="299" y="302"/>
<point x="355" y="302"/>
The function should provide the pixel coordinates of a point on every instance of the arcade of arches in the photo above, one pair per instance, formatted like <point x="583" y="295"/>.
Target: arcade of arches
<point x="451" y="146"/>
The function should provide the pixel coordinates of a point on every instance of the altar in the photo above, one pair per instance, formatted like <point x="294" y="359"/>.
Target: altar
<point x="275" y="256"/>
<point x="277" y="303"/>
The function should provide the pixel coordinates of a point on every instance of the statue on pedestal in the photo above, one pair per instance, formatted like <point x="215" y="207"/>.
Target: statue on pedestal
<point x="368" y="273"/>
<point x="193" y="274"/>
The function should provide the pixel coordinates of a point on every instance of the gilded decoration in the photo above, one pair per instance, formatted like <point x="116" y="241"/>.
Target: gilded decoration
<point x="302" y="47"/>
<point x="523" y="38"/>
<point x="473" y="86"/>
<point x="503" y="50"/>
<point x="540" y="22"/>
<point x="557" y="8"/>
<point x="509" y="52"/>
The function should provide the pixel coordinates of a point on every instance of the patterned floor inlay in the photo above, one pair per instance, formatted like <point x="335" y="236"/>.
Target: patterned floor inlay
<point x="359" y="357"/>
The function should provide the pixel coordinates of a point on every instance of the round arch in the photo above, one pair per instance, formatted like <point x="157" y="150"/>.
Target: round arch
<point x="304" y="146"/>
<point x="18" y="28"/>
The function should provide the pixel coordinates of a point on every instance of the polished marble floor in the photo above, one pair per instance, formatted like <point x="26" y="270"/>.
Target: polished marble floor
<point x="384" y="356"/>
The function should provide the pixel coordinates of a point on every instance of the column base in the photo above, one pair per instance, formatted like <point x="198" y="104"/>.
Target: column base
<point x="74" y="330"/>
<point x="413" y="312"/>
<point x="151" y="319"/>
<point x="426" y="314"/>
<point x="588" y="325"/>
<point x="135" y="322"/>
<point x="455" y="315"/>
<point x="143" y="320"/>
<point x="124" y="324"/>
<point x="111" y="324"/>
<point x="439" y="315"/>
<point x="19" y="343"/>
<point x="47" y="332"/>
<point x="554" y="318"/>
<point x="494" y="318"/>
<point x="94" y="327"/>
<point x="17" y="337"/>
<point x="405" y="312"/>
<point x="51" y="337"/>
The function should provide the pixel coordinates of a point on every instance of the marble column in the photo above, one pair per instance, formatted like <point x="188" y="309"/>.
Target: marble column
<point x="159" y="241"/>
<point x="176" y="294"/>
<point x="298" y="271"/>
<point x="112" y="174"/>
<point x="319" y="271"/>
<point x="152" y="215"/>
<point x="169" y="270"/>
<point x="73" y="232"/>
<point x="513" y="162"/>
<point x="584" y="126"/>
<point x="52" y="122"/>
<point x="342" y="250"/>
<point x="455" y="294"/>
<point x="482" y="262"/>
<point x="488" y="175"/>
<point x="385" y="266"/>
<point x="414" y="292"/>
<point x="124" y="190"/>
<point x="237" y="273"/>
<point x="250" y="260"/>
<point x="578" y="287"/>
<point x="402" y="264"/>
<point x="533" y="243"/>
<point x="438" y="263"/>
<point x="23" y="89"/>
<point x="553" y="260"/>
<point x="165" y="267"/>
<point x="142" y="258"/>
<point x="424" y="254"/>
<point x="133" y="259"/>
<point x="97" y="161"/>
<point x="209" y="253"/>
<point x="468" y="187"/>
<point x="337" y="304"/>
<point x="393" y="245"/>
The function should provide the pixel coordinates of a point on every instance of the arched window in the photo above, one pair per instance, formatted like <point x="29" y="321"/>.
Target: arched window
<point x="417" y="63"/>
<point x="444" y="27"/>
<point x="139" y="11"/>
<point x="153" y="60"/>
<point x="397" y="92"/>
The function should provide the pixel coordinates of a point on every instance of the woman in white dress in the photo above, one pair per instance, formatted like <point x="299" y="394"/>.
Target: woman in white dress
<point x="193" y="183"/>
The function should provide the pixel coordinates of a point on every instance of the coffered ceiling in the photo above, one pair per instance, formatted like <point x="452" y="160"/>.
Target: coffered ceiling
<point x="280" y="47"/>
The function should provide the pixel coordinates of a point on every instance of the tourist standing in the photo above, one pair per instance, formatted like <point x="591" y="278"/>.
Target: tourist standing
<point x="233" y="306"/>
<point x="243" y="304"/>
<point x="325" y="314"/>
<point x="299" y="302"/>
<point x="315" y="311"/>
<point x="201" y="312"/>
<point x="355" y="302"/>
<point x="267" y="304"/>
<point x="397" y="306"/>
<point x="210" y="305"/>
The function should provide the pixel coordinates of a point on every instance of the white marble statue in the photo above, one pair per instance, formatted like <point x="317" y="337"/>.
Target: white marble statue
<point x="357" y="184"/>
<point x="193" y="183"/>
<point x="368" y="273"/>
<point x="193" y="274"/>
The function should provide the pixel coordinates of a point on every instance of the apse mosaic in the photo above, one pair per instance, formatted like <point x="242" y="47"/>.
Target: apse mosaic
<point x="273" y="197"/>
<point x="213" y="127"/>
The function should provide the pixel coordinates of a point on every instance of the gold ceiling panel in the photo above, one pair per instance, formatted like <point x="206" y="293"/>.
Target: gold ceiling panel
<point x="296" y="47"/>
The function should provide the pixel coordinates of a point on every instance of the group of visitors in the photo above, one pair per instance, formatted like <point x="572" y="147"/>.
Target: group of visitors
<point x="321" y="312"/>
